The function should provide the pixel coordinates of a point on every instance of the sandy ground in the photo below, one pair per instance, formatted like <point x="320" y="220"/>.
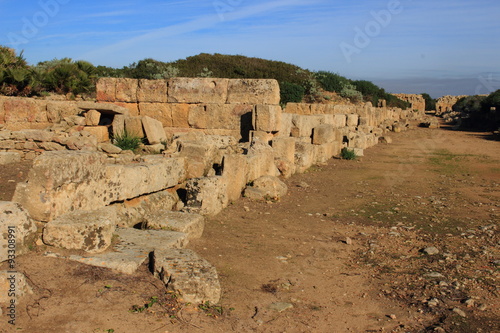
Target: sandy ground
<point x="342" y="252"/>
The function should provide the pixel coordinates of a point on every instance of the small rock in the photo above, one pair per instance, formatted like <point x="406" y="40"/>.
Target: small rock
<point x="280" y="307"/>
<point x="459" y="312"/>
<point x="392" y="316"/>
<point x="482" y="307"/>
<point x="348" y="241"/>
<point x="303" y="185"/>
<point x="430" y="250"/>
<point x="246" y="209"/>
<point x="433" y="302"/>
<point x="470" y="303"/>
<point x="434" y="275"/>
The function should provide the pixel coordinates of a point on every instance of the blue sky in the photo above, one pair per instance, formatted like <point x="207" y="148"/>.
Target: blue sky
<point x="440" y="47"/>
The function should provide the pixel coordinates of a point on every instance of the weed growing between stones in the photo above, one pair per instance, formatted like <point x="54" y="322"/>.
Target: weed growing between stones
<point x="348" y="154"/>
<point x="127" y="141"/>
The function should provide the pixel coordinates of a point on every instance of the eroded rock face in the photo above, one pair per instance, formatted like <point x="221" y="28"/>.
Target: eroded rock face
<point x="17" y="230"/>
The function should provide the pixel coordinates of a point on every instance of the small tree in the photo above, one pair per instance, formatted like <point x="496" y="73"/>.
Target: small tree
<point x="291" y="92"/>
<point x="430" y="103"/>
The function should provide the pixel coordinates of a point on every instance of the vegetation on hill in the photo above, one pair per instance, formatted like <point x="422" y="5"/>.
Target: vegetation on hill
<point x="480" y="112"/>
<point x="65" y="76"/>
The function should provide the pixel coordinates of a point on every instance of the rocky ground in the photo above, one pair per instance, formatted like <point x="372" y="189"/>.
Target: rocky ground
<point x="404" y="239"/>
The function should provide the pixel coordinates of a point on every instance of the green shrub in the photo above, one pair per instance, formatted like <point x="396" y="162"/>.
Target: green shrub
<point x="348" y="154"/>
<point x="127" y="141"/>
<point x="430" y="103"/>
<point x="331" y="81"/>
<point x="291" y="92"/>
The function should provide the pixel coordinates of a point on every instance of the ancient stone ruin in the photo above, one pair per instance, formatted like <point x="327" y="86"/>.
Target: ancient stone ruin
<point x="207" y="142"/>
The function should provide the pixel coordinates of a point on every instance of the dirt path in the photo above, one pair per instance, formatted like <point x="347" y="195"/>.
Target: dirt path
<point x="340" y="253"/>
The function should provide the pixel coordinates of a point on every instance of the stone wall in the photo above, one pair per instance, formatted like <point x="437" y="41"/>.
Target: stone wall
<point x="445" y="103"/>
<point x="417" y="101"/>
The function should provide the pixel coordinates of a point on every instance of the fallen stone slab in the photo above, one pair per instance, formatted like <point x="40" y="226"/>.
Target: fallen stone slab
<point x="105" y="108"/>
<point x="265" y="188"/>
<point x="133" y="248"/>
<point x="90" y="231"/>
<point x="184" y="272"/>
<point x="190" y="224"/>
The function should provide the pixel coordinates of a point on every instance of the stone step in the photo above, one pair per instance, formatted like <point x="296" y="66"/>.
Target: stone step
<point x="186" y="273"/>
<point x="133" y="248"/>
<point x="188" y="223"/>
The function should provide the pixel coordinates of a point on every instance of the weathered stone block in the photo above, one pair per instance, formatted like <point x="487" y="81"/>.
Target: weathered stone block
<point x="159" y="111"/>
<point x="99" y="132"/>
<point x="133" y="126"/>
<point x="126" y="90"/>
<point x="110" y="148"/>
<point x="5" y="135"/>
<point x="267" y="118"/>
<point x="323" y="134"/>
<point x="92" y="118"/>
<point x="105" y="108"/>
<point x="253" y="91"/>
<point x="90" y="231"/>
<point x="152" y="91"/>
<point x="132" y="108"/>
<point x="352" y="120"/>
<point x="260" y="161"/>
<point x="339" y="120"/>
<point x="51" y="146"/>
<point x="57" y="110"/>
<point x="302" y="125"/>
<point x="180" y="114"/>
<point x="197" y="90"/>
<point x="9" y="157"/>
<point x="207" y="196"/>
<point x="106" y="89"/>
<point x="190" y="224"/>
<point x="17" y="230"/>
<point x="154" y="130"/>
<point x="218" y="116"/>
<point x="184" y="272"/>
<point x="266" y="188"/>
<point x="325" y="151"/>
<point x="20" y="110"/>
<point x="304" y="156"/>
<point x="235" y="173"/>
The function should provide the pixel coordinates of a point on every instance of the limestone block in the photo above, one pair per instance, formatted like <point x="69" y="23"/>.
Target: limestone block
<point x="298" y="108"/>
<point x="130" y="181"/>
<point x="199" y="157"/>
<point x="2" y="111"/>
<point x="7" y="144"/>
<point x="105" y="108"/>
<point x="110" y="148"/>
<point x="100" y="132"/>
<point x="207" y="196"/>
<point x="180" y="114"/>
<point x="154" y="130"/>
<point x="190" y="224"/>
<point x="5" y="135"/>
<point x="284" y="148"/>
<point x="304" y="156"/>
<point x="339" y="120"/>
<point x="20" y="110"/>
<point x="133" y="126"/>
<point x="302" y="125"/>
<point x="61" y="181"/>
<point x="235" y="173"/>
<point x="92" y="118"/>
<point x="325" y="151"/>
<point x="118" y="125"/>
<point x="57" y="110"/>
<point x="90" y="231"/>
<point x="267" y="118"/>
<point x="158" y="111"/>
<point x="51" y="146"/>
<point x="323" y="134"/>
<point x="184" y="272"/>
<point x="152" y="91"/>
<point x="9" y="157"/>
<point x="358" y="140"/>
<point x="261" y="136"/>
<point x="17" y="230"/>
<point x="126" y="90"/>
<point x="260" y="161"/>
<point x="12" y="281"/>
<point x="133" y="211"/>
<point x="197" y="90"/>
<point x="266" y="188"/>
<point x="216" y="116"/>
<point x="106" y="89"/>
<point x="253" y="91"/>
<point x="352" y="120"/>
<point x="318" y="108"/>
